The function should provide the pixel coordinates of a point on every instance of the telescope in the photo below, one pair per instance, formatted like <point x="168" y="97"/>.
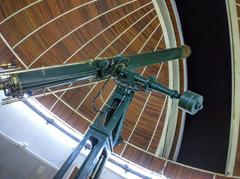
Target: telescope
<point x="105" y="132"/>
<point x="19" y="84"/>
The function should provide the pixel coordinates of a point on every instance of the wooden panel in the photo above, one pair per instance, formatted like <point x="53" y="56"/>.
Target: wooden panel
<point x="178" y="172"/>
<point x="133" y="113"/>
<point x="145" y="160"/>
<point x="30" y="19"/>
<point x="74" y="97"/>
<point x="174" y="22"/>
<point x="6" y="54"/>
<point x="147" y="123"/>
<point x="136" y="109"/>
<point x="238" y="10"/>
<point x="163" y="79"/>
<point x="47" y="101"/>
<point x="10" y="7"/>
<point x="148" y="120"/>
<point x="74" y="172"/>
<point x="158" y="133"/>
<point x="176" y="135"/>
<point x="237" y="160"/>
<point x="119" y="148"/>
<point x="41" y="41"/>
<point x="86" y="108"/>
<point x="70" y="117"/>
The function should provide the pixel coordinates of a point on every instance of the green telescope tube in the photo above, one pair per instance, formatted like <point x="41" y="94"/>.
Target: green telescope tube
<point x="77" y="71"/>
<point x="151" y="58"/>
<point x="58" y="75"/>
<point x="64" y="74"/>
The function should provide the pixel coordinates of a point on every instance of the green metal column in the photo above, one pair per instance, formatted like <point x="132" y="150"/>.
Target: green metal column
<point x="103" y="135"/>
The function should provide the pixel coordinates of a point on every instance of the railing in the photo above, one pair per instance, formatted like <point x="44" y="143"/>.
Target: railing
<point x="232" y="167"/>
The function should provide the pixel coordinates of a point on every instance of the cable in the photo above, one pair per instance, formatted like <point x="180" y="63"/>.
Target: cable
<point x="100" y="94"/>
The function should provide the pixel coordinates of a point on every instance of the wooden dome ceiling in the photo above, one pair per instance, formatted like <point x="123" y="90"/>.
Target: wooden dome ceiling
<point x="37" y="33"/>
<point x="45" y="33"/>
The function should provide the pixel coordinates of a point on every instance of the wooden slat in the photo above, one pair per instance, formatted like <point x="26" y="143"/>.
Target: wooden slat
<point x="145" y="127"/>
<point x="73" y="173"/>
<point x="145" y="160"/>
<point x="70" y="117"/>
<point x="133" y="113"/>
<point x="146" y="73"/>
<point x="5" y="54"/>
<point x="103" y="40"/>
<point x="157" y="136"/>
<point x="163" y="79"/>
<point x="119" y="148"/>
<point x="178" y="172"/>
<point x="34" y="17"/>
<point x="238" y="11"/>
<point x="72" y="97"/>
<point x="237" y="161"/>
<point x="94" y="51"/>
<point x="11" y="7"/>
<point x="176" y="135"/>
<point x="174" y="22"/>
<point x="86" y="108"/>
<point x="48" y="36"/>
<point x="47" y="101"/>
